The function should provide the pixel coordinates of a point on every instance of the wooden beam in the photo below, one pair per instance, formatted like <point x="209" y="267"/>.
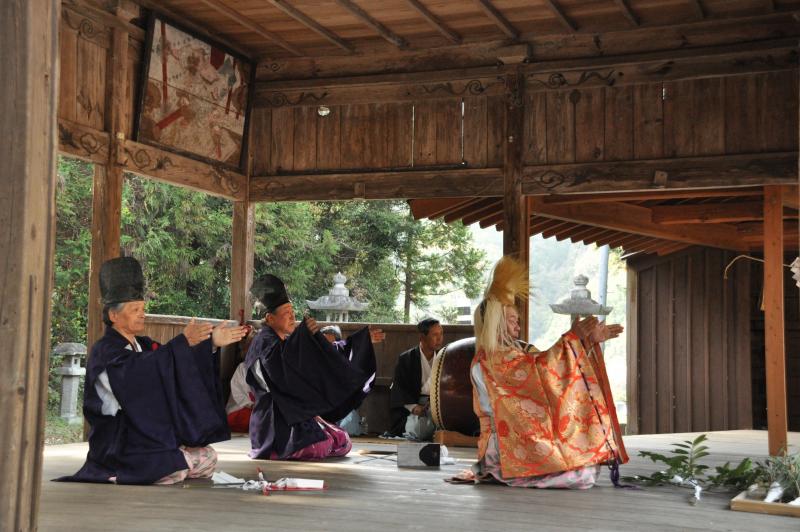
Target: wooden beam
<point x="561" y="16"/>
<point x="83" y="142"/>
<point x="774" y="326"/>
<point x="313" y="25"/>
<point x="158" y="7"/>
<point x="221" y="7"/>
<point x="708" y="213"/>
<point x="683" y="173"/>
<point x="697" y="9"/>
<point x="482" y="182"/>
<point x="637" y="220"/>
<point x="434" y="21"/>
<point x="382" y="30"/>
<point x="628" y="12"/>
<point x="28" y="106"/>
<point x="654" y="195"/>
<point x="95" y="11"/>
<point x="553" y="52"/>
<point x="148" y="161"/>
<point x="155" y="163"/>
<point x="505" y="26"/>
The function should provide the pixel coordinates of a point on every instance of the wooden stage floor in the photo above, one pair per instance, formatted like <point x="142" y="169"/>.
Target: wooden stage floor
<point x="369" y="493"/>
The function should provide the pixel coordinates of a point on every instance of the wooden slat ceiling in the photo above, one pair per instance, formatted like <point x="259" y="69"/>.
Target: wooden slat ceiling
<point x="733" y="207"/>
<point x="316" y="28"/>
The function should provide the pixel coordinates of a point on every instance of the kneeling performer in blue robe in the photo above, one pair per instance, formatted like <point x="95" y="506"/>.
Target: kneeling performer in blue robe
<point x="303" y="383"/>
<point x="153" y="409"/>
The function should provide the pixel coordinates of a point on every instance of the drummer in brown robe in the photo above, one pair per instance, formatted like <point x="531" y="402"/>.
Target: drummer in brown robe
<point x="409" y="396"/>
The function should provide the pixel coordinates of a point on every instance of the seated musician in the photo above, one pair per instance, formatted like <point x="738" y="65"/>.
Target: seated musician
<point x="302" y="382"/>
<point x="410" y="393"/>
<point x="153" y="409"/>
<point x="547" y="419"/>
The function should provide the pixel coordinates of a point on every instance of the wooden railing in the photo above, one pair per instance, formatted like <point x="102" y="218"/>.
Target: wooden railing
<point x="399" y="337"/>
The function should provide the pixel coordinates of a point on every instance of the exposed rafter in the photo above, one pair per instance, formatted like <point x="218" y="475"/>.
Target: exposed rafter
<point x="708" y="213"/>
<point x="638" y="220"/>
<point x="382" y="30"/>
<point x="434" y="21"/>
<point x="312" y="24"/>
<point x="220" y="7"/>
<point x="559" y="13"/>
<point x="698" y="8"/>
<point x="628" y="12"/>
<point x="498" y="18"/>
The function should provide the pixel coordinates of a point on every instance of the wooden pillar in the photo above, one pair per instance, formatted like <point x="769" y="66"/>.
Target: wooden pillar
<point x="28" y="105"/>
<point x="516" y="219"/>
<point x="774" y="329"/>
<point x="108" y="179"/>
<point x="242" y="249"/>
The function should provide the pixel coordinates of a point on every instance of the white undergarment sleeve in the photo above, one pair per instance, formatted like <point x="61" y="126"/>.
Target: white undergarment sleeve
<point x="110" y="405"/>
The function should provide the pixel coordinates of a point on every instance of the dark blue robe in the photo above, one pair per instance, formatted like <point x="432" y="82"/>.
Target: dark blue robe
<point x="169" y="395"/>
<point x="307" y="376"/>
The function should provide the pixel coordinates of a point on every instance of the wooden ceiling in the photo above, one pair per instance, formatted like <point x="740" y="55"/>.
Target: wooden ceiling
<point x="661" y="222"/>
<point x="316" y="28"/>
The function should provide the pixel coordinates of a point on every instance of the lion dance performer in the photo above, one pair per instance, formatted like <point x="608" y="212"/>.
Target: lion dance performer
<point x="547" y="418"/>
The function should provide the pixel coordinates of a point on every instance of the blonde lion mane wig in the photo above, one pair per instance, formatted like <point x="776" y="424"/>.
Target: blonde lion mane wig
<point x="509" y="281"/>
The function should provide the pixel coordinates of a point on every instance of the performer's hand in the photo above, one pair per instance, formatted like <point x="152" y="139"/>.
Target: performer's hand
<point x="418" y="410"/>
<point x="603" y="332"/>
<point x="223" y="334"/>
<point x="196" y="332"/>
<point x="312" y="324"/>
<point x="583" y="328"/>
<point x="376" y="335"/>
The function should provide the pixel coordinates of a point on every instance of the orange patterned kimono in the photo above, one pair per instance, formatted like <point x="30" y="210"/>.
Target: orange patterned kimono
<point x="552" y="410"/>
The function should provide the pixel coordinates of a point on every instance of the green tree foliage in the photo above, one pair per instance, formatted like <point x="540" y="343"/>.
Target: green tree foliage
<point x="182" y="238"/>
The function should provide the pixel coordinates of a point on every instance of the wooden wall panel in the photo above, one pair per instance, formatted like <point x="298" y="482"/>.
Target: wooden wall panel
<point x="357" y="136"/>
<point x="589" y="124"/>
<point x="689" y="349"/>
<point x="761" y="112"/>
<point x="90" y="84"/>
<point x="534" y="150"/>
<point x="261" y="134"/>
<point x="67" y="83"/>
<point x="329" y="140"/>
<point x="560" y="128"/>
<point x="694" y="117"/>
<point x="619" y="124"/>
<point x="398" y="135"/>
<point x="648" y="121"/>
<point x="495" y="130"/>
<point x="674" y="119"/>
<point x="425" y="133"/>
<point x="448" y="131"/>
<point x="305" y="139"/>
<point x="282" y="140"/>
<point x="475" y="131"/>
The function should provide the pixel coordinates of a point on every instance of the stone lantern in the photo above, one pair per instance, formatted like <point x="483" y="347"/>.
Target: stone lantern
<point x="579" y="303"/>
<point x="71" y="373"/>
<point x="338" y="303"/>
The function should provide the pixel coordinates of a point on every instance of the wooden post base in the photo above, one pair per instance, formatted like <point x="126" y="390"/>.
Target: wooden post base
<point x="454" y="439"/>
